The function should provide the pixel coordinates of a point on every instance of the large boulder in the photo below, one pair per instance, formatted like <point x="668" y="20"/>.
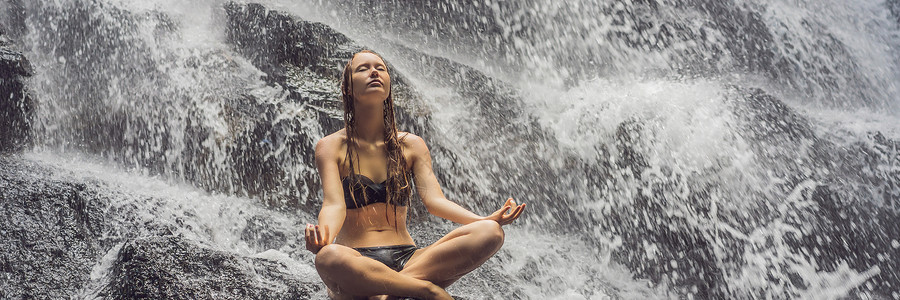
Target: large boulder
<point x="67" y="237"/>
<point x="50" y="234"/>
<point x="175" y="268"/>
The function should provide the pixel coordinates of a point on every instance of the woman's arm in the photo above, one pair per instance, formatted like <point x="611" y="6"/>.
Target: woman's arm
<point x="334" y="210"/>
<point x="430" y="190"/>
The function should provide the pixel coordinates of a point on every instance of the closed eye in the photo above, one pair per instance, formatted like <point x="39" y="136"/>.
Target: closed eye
<point x="366" y="67"/>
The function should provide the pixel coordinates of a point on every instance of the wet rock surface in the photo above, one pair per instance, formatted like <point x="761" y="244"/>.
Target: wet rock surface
<point x="61" y="229"/>
<point x="13" y="63"/>
<point x="275" y="41"/>
<point x="836" y="201"/>
<point x="52" y="234"/>
<point x="724" y="36"/>
<point x="260" y="235"/>
<point x="16" y="104"/>
<point x="846" y="205"/>
<point x="253" y="146"/>
<point x="12" y="20"/>
<point x="174" y="268"/>
<point x="894" y="7"/>
<point x="58" y="229"/>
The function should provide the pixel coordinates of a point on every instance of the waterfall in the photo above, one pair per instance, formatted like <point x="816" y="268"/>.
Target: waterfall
<point x="667" y="149"/>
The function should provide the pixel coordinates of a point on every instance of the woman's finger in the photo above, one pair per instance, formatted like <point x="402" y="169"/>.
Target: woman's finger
<point x="502" y="210"/>
<point x="512" y="210"/>
<point x="518" y="211"/>
<point x="507" y="219"/>
<point x="521" y="209"/>
<point x="513" y="216"/>
<point x="315" y="233"/>
<point x="307" y="236"/>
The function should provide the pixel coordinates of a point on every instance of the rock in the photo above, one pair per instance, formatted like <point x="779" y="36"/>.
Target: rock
<point x="274" y="41"/>
<point x="175" y="268"/>
<point x="262" y="235"/>
<point x="51" y="236"/>
<point x="16" y="113"/>
<point x="4" y="40"/>
<point x="62" y="230"/>
<point x="848" y="225"/>
<point x="894" y="7"/>
<point x="16" y="105"/>
<point x="13" y="63"/>
<point x="628" y="143"/>
<point x="771" y="120"/>
<point x="13" y="18"/>
<point x="859" y="236"/>
<point x="852" y="220"/>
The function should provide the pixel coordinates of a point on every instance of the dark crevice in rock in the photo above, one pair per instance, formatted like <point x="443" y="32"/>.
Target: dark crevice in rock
<point x="16" y="103"/>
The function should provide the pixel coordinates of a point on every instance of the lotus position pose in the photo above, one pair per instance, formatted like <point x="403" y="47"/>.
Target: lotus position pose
<point x="363" y="248"/>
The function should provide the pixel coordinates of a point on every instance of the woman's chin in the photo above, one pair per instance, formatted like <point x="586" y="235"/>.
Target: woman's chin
<point x="372" y="97"/>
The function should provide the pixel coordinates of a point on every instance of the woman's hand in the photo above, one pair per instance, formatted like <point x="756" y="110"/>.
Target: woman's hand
<point x="316" y="237"/>
<point x="505" y="218"/>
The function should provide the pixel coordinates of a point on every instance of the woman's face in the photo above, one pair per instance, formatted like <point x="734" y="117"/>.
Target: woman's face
<point x="369" y="79"/>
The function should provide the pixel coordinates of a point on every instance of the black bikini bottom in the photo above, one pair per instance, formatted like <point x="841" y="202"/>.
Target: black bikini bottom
<point x="395" y="257"/>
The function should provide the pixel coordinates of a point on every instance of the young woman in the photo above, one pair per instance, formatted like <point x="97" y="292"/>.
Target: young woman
<point x="362" y="245"/>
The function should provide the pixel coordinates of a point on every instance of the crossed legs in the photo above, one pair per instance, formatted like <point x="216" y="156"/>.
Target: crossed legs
<point x="349" y="275"/>
<point x="456" y="254"/>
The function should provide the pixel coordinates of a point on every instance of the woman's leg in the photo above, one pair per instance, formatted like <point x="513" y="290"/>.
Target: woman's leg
<point x="456" y="254"/>
<point x="348" y="274"/>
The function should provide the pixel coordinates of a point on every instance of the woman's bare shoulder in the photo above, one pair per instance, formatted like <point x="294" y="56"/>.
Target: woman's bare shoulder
<point x="413" y="142"/>
<point x="331" y="144"/>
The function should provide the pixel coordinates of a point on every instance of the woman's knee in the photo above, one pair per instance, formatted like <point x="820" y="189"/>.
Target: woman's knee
<point x="329" y="257"/>
<point x="489" y="232"/>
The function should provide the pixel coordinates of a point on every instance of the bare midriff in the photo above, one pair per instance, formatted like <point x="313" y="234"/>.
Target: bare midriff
<point x="374" y="225"/>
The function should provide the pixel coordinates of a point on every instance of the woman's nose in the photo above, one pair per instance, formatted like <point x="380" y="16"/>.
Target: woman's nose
<point x="374" y="73"/>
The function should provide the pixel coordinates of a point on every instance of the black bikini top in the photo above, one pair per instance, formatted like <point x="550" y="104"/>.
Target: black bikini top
<point x="365" y="191"/>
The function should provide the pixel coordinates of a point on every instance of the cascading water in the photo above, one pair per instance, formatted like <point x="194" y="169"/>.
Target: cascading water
<point x="667" y="149"/>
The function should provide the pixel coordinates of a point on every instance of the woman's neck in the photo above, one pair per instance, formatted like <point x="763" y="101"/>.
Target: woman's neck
<point x="370" y="125"/>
